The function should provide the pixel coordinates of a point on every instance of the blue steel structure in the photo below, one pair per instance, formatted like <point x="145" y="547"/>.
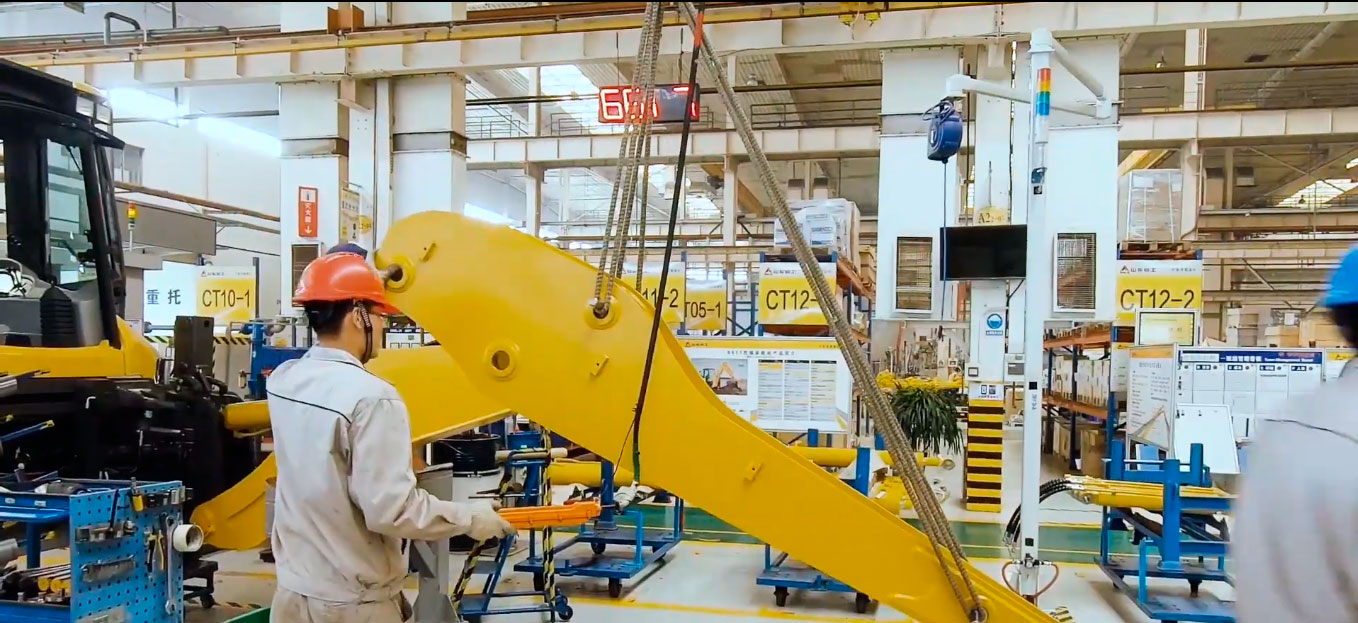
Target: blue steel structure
<point x="123" y="567"/>
<point x="783" y="577"/>
<point x="1182" y="533"/>
<point x="604" y="531"/>
<point x="473" y="607"/>
<point x="263" y="357"/>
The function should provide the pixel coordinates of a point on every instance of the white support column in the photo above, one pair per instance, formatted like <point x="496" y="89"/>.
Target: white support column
<point x="314" y="129"/>
<point x="730" y="205"/>
<point x="991" y="205"/>
<point x="535" y="109"/>
<point x="1195" y="53"/>
<point x="1069" y="185"/>
<point x="429" y="144"/>
<point x="916" y="196"/>
<point x="1228" y="193"/>
<point x="532" y="193"/>
<point x="1190" y="167"/>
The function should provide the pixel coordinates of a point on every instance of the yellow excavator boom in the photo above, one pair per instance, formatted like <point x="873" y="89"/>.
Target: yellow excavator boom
<point x="514" y="314"/>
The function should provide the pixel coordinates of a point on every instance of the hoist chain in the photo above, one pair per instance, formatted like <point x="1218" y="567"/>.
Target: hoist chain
<point x="636" y="134"/>
<point x="935" y="524"/>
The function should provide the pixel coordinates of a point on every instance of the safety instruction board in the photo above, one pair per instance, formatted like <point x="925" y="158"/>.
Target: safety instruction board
<point x="675" y="288"/>
<point x="1157" y="284"/>
<point x="1255" y="383"/>
<point x="1150" y="394"/>
<point x="786" y="297"/>
<point x="780" y="384"/>
<point x="705" y="306"/>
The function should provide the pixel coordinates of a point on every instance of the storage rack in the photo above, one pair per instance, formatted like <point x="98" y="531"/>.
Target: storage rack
<point x="1102" y="336"/>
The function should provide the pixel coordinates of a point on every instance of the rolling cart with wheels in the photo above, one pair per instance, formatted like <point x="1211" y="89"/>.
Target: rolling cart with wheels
<point x="784" y="575"/>
<point x="609" y="542"/>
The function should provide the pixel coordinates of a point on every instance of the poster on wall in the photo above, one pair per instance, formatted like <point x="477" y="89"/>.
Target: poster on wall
<point x="355" y="219"/>
<point x="780" y="384"/>
<point x="1150" y="398"/>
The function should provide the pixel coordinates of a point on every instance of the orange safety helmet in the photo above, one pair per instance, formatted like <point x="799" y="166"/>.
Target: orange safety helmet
<point x="342" y="277"/>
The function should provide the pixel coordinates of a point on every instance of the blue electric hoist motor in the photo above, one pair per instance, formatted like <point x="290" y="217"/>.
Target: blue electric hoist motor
<point x="945" y="130"/>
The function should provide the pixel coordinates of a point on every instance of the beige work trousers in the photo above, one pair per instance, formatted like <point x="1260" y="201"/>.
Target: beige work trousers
<point x="289" y="607"/>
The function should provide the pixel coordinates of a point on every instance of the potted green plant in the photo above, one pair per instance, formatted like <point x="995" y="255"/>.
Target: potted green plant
<point x="927" y="411"/>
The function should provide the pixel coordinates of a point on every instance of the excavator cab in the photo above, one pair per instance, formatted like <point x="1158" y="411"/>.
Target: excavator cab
<point x="62" y="260"/>
<point x="61" y="267"/>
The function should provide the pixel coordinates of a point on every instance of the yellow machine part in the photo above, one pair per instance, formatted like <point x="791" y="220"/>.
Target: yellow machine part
<point x="135" y="358"/>
<point x="441" y="402"/>
<point x="1121" y="494"/>
<point x="587" y="472"/>
<point x="515" y="315"/>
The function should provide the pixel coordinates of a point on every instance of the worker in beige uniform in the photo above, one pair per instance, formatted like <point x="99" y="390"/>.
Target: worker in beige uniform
<point x="1294" y="544"/>
<point x="346" y="493"/>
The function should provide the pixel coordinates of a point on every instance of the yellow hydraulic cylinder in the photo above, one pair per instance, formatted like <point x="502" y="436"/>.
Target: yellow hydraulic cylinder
<point x="587" y="472"/>
<point x="522" y="329"/>
<point x="245" y="416"/>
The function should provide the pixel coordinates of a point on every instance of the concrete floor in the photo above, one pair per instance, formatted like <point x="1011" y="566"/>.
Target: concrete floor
<point x="712" y="582"/>
<point x="704" y="583"/>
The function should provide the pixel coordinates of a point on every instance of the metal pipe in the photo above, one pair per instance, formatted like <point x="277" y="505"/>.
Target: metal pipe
<point x="205" y="203"/>
<point x="1037" y="303"/>
<point x="428" y="33"/>
<point x="108" y="26"/>
<point x="1073" y="66"/>
<point x="958" y="85"/>
<point x="241" y="114"/>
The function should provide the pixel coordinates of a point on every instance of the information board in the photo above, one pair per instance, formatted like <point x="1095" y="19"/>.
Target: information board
<point x="780" y="384"/>
<point x="1150" y="395"/>
<point x="786" y="297"/>
<point x="355" y="219"/>
<point x="705" y="305"/>
<point x="675" y="289"/>
<point x="1157" y="284"/>
<point x="1254" y="382"/>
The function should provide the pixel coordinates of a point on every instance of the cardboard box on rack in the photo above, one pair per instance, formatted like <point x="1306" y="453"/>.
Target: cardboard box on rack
<point x="1093" y="446"/>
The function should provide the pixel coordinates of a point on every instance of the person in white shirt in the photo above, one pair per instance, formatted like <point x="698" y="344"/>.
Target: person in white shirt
<point x="1294" y="543"/>
<point x="346" y="495"/>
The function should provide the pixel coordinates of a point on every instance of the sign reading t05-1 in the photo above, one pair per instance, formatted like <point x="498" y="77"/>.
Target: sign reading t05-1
<point x="617" y="104"/>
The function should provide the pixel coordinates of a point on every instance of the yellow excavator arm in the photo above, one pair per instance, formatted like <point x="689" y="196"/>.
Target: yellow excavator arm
<point x="517" y="334"/>
<point x="514" y="314"/>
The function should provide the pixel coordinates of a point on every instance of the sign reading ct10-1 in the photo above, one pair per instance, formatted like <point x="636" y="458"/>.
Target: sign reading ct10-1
<point x="618" y="104"/>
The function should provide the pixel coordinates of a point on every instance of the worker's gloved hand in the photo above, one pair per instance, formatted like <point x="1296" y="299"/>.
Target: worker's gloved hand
<point x="486" y="524"/>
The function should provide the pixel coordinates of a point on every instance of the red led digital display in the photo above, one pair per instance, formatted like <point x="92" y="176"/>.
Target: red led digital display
<point x="616" y="104"/>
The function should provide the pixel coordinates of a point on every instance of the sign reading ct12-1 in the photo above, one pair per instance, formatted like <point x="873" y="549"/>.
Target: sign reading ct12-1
<point x="617" y="104"/>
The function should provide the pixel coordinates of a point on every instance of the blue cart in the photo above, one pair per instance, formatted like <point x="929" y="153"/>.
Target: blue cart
<point x="784" y="577"/>
<point x="1186" y="530"/>
<point x="636" y="547"/>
